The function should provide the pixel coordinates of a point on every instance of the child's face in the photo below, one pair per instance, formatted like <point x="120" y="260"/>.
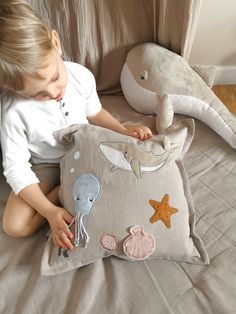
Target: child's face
<point x="54" y="81"/>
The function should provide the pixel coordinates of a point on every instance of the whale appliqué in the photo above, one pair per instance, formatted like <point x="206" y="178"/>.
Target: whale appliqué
<point x="130" y="157"/>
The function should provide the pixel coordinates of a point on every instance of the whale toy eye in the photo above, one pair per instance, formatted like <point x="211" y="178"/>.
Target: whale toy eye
<point x="143" y="76"/>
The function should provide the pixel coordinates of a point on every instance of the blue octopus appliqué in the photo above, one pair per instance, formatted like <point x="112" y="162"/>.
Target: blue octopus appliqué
<point x="85" y="192"/>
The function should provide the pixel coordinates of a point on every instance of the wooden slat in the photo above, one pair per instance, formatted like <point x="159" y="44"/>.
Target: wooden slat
<point x="227" y="94"/>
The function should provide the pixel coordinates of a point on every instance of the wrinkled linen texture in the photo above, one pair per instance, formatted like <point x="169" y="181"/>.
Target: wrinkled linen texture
<point x="99" y="34"/>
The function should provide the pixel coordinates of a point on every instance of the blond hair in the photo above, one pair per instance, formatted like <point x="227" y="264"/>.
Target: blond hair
<point x="25" y="41"/>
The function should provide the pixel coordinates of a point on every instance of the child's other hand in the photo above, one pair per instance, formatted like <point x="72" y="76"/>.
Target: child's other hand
<point x="141" y="132"/>
<point x="59" y="219"/>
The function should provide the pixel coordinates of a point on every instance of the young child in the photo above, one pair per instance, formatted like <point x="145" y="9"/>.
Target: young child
<point x="45" y="94"/>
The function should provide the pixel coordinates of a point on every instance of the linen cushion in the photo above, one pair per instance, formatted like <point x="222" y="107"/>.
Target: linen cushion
<point x="134" y="195"/>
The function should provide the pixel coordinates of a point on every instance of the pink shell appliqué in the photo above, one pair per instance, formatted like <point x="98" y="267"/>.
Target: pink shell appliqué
<point x="139" y="245"/>
<point x="108" y="242"/>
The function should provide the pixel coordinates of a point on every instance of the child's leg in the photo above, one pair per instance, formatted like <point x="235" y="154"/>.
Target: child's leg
<point x="20" y="219"/>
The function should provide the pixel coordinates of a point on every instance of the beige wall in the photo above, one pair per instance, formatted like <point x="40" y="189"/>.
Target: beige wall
<point x="215" y="39"/>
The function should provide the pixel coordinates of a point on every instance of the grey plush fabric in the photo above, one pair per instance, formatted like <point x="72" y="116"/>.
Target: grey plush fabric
<point x="152" y="72"/>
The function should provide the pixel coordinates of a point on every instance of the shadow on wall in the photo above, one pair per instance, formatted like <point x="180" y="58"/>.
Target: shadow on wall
<point x="230" y="60"/>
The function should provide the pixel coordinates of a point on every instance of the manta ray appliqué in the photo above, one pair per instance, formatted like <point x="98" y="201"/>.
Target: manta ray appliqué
<point x="130" y="157"/>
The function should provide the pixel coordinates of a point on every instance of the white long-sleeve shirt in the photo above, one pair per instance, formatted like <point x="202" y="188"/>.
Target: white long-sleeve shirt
<point x="28" y="125"/>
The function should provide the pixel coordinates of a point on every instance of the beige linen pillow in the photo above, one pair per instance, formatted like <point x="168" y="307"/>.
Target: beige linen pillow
<point x="132" y="198"/>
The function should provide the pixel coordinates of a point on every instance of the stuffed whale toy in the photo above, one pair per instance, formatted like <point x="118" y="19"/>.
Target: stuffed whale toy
<point x="158" y="81"/>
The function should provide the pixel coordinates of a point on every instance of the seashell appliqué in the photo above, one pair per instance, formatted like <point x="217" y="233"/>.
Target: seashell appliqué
<point x="139" y="245"/>
<point x="108" y="242"/>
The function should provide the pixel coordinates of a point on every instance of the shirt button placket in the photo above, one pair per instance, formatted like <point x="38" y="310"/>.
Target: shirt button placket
<point x="63" y="108"/>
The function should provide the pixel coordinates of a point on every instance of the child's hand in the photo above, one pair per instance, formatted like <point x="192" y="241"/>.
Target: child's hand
<point x="59" y="219"/>
<point x="141" y="132"/>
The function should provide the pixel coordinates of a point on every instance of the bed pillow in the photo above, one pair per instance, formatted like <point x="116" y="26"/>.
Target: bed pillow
<point x="130" y="198"/>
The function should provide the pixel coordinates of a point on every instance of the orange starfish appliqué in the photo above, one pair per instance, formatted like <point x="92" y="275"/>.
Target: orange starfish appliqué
<point x="162" y="211"/>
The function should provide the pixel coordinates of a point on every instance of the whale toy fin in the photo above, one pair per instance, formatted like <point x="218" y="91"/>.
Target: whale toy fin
<point x="165" y="114"/>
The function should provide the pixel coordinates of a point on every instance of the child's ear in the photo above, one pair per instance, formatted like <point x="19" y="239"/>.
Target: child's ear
<point x="56" y="41"/>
